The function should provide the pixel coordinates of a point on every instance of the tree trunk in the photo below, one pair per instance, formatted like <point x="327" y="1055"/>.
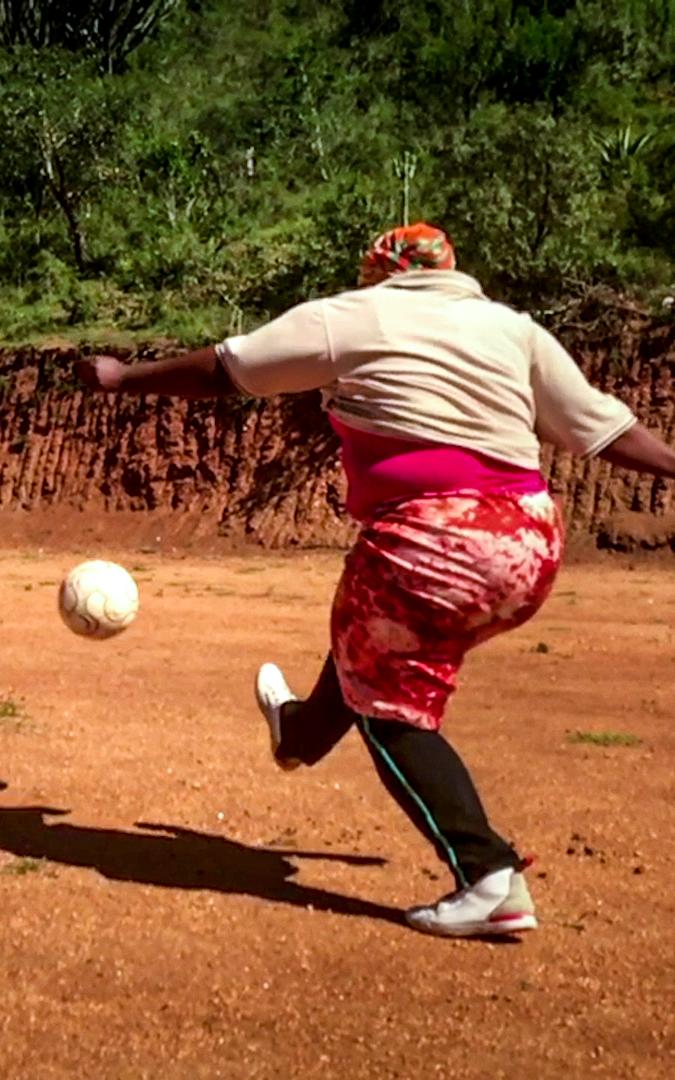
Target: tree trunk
<point x="65" y="201"/>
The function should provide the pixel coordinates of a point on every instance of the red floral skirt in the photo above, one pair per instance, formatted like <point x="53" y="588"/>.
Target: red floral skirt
<point x="429" y="579"/>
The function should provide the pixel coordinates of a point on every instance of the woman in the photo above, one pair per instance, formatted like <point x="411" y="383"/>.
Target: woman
<point x="440" y="397"/>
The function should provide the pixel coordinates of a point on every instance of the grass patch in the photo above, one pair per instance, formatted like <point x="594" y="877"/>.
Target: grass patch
<point x="541" y="647"/>
<point x="603" y="738"/>
<point x="10" y="708"/>
<point x="13" y="715"/>
<point x="23" y="866"/>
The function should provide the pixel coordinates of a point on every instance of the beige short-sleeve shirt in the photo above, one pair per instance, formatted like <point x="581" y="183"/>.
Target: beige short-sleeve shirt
<point x="425" y="355"/>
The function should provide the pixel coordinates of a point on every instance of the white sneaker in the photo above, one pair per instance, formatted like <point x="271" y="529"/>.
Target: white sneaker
<point x="500" y="903"/>
<point x="272" y="692"/>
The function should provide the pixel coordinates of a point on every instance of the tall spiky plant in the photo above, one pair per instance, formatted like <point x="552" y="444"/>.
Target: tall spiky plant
<point x="109" y="29"/>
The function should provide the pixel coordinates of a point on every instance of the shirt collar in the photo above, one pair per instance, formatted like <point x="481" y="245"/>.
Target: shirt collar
<point x="453" y="283"/>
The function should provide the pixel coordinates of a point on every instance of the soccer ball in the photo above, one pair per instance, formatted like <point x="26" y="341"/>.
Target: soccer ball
<point x="98" y="599"/>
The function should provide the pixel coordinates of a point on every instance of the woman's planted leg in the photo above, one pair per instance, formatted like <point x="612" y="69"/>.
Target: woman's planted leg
<point x="432" y="785"/>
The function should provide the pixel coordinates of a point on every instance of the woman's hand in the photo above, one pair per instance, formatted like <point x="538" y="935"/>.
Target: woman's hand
<point x="102" y="373"/>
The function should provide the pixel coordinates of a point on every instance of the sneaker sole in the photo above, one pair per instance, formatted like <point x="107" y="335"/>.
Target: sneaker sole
<point x="287" y="764"/>
<point x="510" y="924"/>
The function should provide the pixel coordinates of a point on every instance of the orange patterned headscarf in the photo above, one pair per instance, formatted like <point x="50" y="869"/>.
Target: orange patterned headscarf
<point x="409" y="247"/>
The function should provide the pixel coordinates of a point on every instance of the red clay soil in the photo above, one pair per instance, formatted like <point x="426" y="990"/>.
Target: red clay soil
<point x="175" y="908"/>
<point x="215" y="475"/>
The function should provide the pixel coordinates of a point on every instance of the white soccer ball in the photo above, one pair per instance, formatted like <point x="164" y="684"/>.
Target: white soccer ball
<point x="98" y="599"/>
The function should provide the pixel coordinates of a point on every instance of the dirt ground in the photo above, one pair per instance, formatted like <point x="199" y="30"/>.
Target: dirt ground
<point x="174" y="907"/>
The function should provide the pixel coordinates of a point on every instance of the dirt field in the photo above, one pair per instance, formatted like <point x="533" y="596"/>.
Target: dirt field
<point x="175" y="908"/>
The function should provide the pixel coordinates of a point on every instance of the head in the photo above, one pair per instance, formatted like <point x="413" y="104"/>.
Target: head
<point x="408" y="247"/>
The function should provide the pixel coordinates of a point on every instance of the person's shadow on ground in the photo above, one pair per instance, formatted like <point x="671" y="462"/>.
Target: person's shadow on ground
<point x="174" y="857"/>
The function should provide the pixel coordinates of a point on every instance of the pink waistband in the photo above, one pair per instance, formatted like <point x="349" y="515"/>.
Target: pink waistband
<point x="381" y="469"/>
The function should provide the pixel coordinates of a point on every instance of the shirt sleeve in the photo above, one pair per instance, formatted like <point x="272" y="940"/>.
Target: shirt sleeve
<point x="570" y="413"/>
<point x="288" y="355"/>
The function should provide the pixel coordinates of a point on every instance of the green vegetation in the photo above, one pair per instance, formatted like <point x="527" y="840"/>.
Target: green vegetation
<point x="13" y="716"/>
<point x="604" y="738"/>
<point x="23" y="866"/>
<point x="10" y="708"/>
<point x="190" y="167"/>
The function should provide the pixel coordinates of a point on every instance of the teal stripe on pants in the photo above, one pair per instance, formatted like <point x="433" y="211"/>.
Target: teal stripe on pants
<point x="419" y="802"/>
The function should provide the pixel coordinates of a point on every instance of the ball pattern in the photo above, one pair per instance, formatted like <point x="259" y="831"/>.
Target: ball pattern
<point x="98" y="599"/>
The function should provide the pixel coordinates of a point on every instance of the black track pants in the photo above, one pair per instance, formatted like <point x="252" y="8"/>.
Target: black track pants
<point x="421" y="771"/>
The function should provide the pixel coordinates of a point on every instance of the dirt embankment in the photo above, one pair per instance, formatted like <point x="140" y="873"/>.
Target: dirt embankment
<point x="268" y="472"/>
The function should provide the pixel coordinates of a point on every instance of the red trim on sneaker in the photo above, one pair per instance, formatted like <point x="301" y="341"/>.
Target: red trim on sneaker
<point x="508" y="916"/>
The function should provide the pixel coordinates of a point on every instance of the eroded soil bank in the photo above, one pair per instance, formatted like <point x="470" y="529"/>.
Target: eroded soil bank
<point x="267" y="473"/>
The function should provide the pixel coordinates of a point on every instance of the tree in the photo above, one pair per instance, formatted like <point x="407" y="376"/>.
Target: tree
<point x="107" y="29"/>
<point x="58" y="121"/>
<point x="522" y="199"/>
